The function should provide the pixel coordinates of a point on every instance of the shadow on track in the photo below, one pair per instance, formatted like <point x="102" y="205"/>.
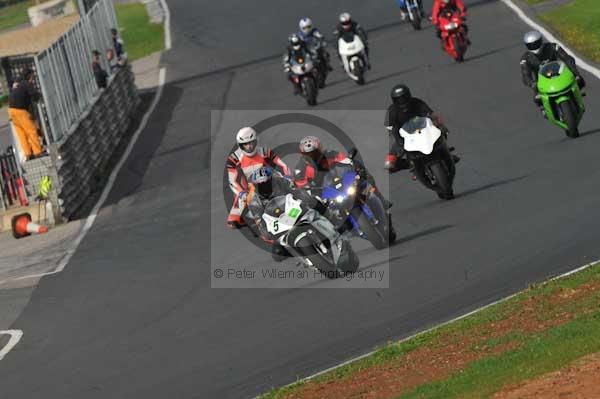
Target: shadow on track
<point x="589" y="132"/>
<point x="424" y="233"/>
<point x="490" y="186"/>
<point x="492" y="52"/>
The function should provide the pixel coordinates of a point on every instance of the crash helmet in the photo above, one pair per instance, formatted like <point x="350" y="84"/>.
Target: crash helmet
<point x="346" y="20"/>
<point x="533" y="40"/>
<point x="401" y="96"/>
<point x="295" y="41"/>
<point x="305" y="25"/>
<point x="262" y="180"/>
<point x="445" y="2"/>
<point x="247" y="140"/>
<point x="311" y="147"/>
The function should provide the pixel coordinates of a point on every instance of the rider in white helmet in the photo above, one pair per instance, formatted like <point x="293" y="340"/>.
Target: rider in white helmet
<point x="346" y="24"/>
<point x="313" y="37"/>
<point x="241" y="163"/>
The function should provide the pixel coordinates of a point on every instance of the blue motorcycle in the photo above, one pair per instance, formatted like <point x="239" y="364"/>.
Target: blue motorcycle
<point x="355" y="209"/>
<point x="412" y="8"/>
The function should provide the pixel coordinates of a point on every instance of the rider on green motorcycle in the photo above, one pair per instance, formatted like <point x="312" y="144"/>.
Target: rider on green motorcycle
<point x="538" y="53"/>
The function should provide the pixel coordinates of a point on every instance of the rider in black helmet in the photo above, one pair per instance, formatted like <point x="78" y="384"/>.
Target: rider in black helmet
<point x="404" y="107"/>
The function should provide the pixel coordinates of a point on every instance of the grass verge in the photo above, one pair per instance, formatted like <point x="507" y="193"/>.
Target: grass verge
<point x="578" y="23"/>
<point x="14" y="15"/>
<point x="537" y="331"/>
<point x="141" y="36"/>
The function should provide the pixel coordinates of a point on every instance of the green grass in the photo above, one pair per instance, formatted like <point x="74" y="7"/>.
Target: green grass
<point x="14" y="15"/>
<point x="534" y="354"/>
<point x="541" y="353"/>
<point x="578" y="23"/>
<point x="141" y="37"/>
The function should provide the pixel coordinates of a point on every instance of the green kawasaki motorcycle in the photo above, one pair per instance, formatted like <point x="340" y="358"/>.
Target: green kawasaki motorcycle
<point x="560" y="96"/>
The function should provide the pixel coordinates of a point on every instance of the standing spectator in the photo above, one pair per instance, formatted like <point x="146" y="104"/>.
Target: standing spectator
<point x="117" y="43"/>
<point x="112" y="62"/>
<point x="22" y="95"/>
<point x="99" y="73"/>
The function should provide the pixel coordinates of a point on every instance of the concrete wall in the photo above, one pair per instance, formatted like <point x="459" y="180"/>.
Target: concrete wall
<point x="87" y="149"/>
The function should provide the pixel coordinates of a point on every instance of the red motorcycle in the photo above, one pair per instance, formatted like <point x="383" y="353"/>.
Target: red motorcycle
<point x="453" y="35"/>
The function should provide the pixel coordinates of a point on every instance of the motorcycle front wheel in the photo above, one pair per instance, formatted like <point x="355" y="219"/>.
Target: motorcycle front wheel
<point x="311" y="91"/>
<point x="569" y="119"/>
<point x="442" y="181"/>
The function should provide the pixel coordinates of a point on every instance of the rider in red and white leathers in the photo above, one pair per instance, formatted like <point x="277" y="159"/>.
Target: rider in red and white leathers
<point x="247" y="158"/>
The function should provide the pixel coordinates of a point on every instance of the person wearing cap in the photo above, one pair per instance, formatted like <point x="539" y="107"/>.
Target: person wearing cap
<point x="20" y="99"/>
<point x="99" y="73"/>
<point x="241" y="163"/>
<point x="539" y="52"/>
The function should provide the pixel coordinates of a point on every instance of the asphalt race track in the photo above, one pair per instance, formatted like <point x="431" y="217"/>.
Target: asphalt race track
<point x="133" y="314"/>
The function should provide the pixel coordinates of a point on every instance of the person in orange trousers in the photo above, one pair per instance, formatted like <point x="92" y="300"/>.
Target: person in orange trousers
<point x="19" y="101"/>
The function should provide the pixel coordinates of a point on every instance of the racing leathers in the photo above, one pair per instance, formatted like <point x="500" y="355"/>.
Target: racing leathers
<point x="396" y="117"/>
<point x="314" y="39"/>
<point x="452" y="6"/>
<point x="531" y="62"/>
<point x="239" y="167"/>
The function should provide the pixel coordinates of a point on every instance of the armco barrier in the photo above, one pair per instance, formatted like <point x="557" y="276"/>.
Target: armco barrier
<point x="85" y="152"/>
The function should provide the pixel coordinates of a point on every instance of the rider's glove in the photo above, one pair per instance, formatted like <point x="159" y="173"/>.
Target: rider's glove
<point x="580" y="82"/>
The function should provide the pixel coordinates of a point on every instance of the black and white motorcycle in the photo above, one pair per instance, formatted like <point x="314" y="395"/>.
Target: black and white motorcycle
<point x="305" y="74"/>
<point x="352" y="50"/>
<point x="428" y="152"/>
<point x="304" y="233"/>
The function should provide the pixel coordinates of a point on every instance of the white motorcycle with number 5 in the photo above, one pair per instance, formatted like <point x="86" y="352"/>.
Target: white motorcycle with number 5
<point x="354" y="57"/>
<point x="303" y="232"/>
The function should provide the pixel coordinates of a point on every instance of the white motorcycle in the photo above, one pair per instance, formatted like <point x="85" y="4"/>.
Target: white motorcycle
<point x="354" y="57"/>
<point x="303" y="232"/>
<point x="428" y="152"/>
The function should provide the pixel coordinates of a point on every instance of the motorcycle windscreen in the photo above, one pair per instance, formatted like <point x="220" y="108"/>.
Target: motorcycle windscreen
<point x="350" y="44"/>
<point x="552" y="69"/>
<point x="420" y="135"/>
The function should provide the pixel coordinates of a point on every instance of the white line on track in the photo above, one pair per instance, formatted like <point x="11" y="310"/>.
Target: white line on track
<point x="15" y="337"/>
<point x="591" y="69"/>
<point x="89" y="222"/>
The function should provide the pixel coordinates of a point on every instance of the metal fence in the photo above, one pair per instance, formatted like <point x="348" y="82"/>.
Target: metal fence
<point x="65" y="68"/>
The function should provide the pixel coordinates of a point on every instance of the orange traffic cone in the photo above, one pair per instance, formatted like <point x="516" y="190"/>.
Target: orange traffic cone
<point x="22" y="226"/>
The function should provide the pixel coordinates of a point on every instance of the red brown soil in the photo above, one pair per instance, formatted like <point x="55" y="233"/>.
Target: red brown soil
<point x="449" y="352"/>
<point x="579" y="381"/>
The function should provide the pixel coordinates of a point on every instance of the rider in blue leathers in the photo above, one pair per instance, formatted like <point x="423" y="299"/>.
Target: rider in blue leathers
<point x="403" y="10"/>
<point x="312" y="36"/>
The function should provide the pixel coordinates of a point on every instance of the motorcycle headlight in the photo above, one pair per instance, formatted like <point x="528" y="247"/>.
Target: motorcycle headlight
<point x="339" y="199"/>
<point x="351" y="190"/>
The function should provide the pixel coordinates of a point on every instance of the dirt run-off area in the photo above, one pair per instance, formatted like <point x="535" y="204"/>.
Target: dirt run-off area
<point x="453" y="349"/>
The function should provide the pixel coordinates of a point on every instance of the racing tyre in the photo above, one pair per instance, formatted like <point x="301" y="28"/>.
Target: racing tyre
<point x="568" y="117"/>
<point x="416" y="21"/>
<point x="311" y="92"/>
<point x="444" y="188"/>
<point x="375" y="234"/>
